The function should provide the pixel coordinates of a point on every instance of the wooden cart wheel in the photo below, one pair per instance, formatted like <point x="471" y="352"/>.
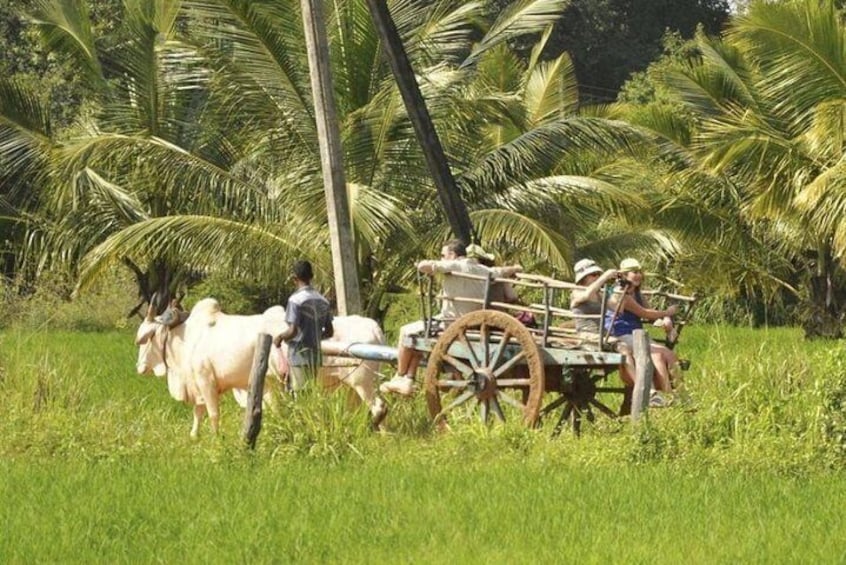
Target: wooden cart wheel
<point x="578" y="398"/>
<point x="479" y="357"/>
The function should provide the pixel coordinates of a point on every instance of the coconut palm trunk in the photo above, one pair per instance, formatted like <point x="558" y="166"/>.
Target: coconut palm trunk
<point x="331" y="161"/>
<point x="448" y="193"/>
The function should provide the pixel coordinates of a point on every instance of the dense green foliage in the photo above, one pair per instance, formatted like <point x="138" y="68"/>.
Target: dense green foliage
<point x="611" y="39"/>
<point x="722" y="166"/>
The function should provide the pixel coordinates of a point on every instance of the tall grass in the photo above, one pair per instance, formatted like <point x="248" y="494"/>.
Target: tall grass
<point x="506" y="511"/>
<point x="759" y="398"/>
<point x="96" y="465"/>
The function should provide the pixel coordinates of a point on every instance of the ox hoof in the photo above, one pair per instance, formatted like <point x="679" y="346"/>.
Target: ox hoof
<point x="379" y="413"/>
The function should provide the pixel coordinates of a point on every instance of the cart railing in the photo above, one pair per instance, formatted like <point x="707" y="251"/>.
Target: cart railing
<point x="557" y="321"/>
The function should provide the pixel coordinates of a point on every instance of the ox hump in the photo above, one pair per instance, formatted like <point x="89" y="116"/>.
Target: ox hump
<point x="205" y="311"/>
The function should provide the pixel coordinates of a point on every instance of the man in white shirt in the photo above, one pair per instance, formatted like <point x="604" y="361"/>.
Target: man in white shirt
<point x="453" y="260"/>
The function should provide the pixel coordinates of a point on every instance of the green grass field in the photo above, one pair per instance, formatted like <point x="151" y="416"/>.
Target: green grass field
<point x="96" y="466"/>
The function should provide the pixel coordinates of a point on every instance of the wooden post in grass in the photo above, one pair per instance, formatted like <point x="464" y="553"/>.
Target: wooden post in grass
<point x="252" y="417"/>
<point x="643" y="373"/>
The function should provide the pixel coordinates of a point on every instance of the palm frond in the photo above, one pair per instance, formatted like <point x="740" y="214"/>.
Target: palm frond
<point x="446" y="33"/>
<point x="520" y="18"/>
<point x="800" y="48"/>
<point x="536" y="152"/>
<point x="527" y="236"/>
<point x="551" y="90"/>
<point x="124" y="205"/>
<point x="25" y="134"/>
<point x="377" y="215"/>
<point x="66" y="29"/>
<point x="823" y="202"/>
<point x="826" y="136"/>
<point x="263" y="42"/>
<point x="187" y="180"/>
<point x="198" y="242"/>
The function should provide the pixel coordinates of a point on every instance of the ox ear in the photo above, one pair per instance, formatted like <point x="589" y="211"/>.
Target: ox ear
<point x="145" y="332"/>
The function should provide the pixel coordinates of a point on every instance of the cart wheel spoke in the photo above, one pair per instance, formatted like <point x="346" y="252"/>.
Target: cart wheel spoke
<point x="452" y="384"/>
<point x="576" y="420"/>
<point x="497" y="356"/>
<point x="496" y="408"/>
<point x="483" y="410"/>
<point x="509" y="364"/>
<point x="513" y="383"/>
<point x="464" y="397"/>
<point x="471" y="353"/>
<point x="462" y="367"/>
<point x="508" y="399"/>
<point x="614" y="389"/>
<point x="553" y="405"/>
<point x="603" y="408"/>
<point x="562" y="420"/>
<point x="485" y="340"/>
<point x="591" y="417"/>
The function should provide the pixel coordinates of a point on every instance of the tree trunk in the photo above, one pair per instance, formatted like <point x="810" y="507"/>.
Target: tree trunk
<point x="154" y="285"/>
<point x="415" y="105"/>
<point x="826" y="300"/>
<point x="331" y="161"/>
<point x="824" y="320"/>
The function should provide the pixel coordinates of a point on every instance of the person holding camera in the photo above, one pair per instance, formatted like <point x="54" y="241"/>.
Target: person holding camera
<point x="587" y="301"/>
<point x="628" y="307"/>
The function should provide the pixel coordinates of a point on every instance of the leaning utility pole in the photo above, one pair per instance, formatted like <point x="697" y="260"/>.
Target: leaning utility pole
<point x="415" y="106"/>
<point x="331" y="160"/>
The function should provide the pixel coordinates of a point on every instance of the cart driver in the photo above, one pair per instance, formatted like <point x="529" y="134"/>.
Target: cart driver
<point x="453" y="260"/>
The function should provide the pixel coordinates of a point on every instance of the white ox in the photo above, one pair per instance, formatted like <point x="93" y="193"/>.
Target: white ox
<point x="212" y="353"/>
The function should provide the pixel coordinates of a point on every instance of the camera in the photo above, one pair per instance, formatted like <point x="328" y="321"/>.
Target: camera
<point x="622" y="281"/>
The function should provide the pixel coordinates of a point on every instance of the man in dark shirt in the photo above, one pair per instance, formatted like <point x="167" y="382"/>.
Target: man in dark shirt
<point x="309" y="320"/>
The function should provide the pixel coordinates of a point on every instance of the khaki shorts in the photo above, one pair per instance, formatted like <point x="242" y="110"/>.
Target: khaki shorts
<point x="417" y="328"/>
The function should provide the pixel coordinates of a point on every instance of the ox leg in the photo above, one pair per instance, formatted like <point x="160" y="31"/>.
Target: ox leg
<point x="363" y="381"/>
<point x="199" y="412"/>
<point x="214" y="412"/>
<point x="208" y="389"/>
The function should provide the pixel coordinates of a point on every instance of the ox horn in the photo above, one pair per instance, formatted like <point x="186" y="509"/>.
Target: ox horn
<point x="151" y="309"/>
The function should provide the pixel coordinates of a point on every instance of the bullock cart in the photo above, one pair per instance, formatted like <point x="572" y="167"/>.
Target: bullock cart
<point x="491" y="363"/>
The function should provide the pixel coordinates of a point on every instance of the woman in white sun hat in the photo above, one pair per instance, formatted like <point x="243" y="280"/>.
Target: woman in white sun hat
<point x="622" y="322"/>
<point x="587" y="301"/>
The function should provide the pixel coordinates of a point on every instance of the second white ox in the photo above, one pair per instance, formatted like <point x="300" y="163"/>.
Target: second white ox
<point x="212" y="353"/>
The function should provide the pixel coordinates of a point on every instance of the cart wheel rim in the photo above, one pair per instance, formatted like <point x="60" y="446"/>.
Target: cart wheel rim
<point x="488" y="368"/>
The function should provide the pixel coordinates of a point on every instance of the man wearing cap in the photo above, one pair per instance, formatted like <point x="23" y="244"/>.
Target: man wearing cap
<point x="587" y="302"/>
<point x="621" y="323"/>
<point x="454" y="259"/>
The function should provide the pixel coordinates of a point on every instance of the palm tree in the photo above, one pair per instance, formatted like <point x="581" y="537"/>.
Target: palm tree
<point x="767" y="105"/>
<point x="539" y="176"/>
<point x="202" y="153"/>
